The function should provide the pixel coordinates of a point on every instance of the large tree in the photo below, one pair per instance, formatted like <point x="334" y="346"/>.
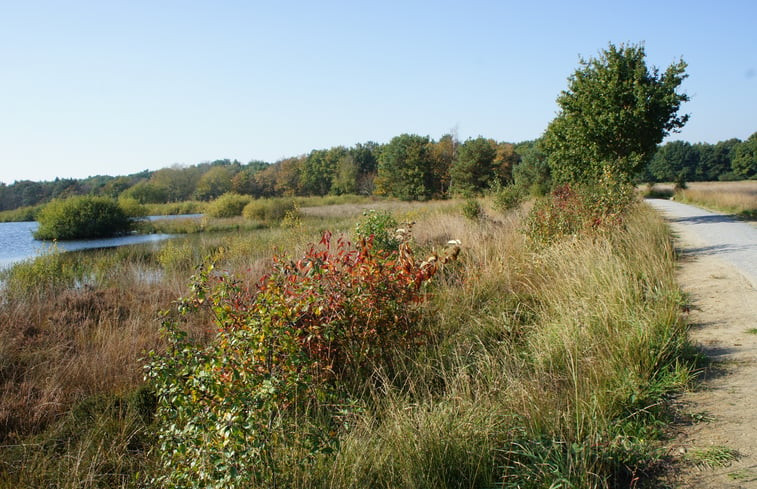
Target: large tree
<point x="613" y="115"/>
<point x="405" y="168"/>
<point x="676" y="160"/>
<point x="474" y="168"/>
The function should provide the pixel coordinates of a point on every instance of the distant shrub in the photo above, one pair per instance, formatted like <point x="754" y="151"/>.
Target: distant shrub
<point x="381" y="227"/>
<point x="28" y="213"/>
<point x="472" y="209"/>
<point x="176" y="208"/>
<point x="82" y="217"/>
<point x="271" y="210"/>
<point x="132" y="207"/>
<point x="508" y="197"/>
<point x="227" y="205"/>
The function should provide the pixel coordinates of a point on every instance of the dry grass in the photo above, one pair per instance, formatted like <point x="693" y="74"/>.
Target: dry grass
<point x="738" y="198"/>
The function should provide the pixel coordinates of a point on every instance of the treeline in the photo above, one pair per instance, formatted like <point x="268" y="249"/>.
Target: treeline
<point x="732" y="159"/>
<point x="409" y="167"/>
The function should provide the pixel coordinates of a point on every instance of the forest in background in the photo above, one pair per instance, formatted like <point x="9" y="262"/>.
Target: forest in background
<point x="409" y="167"/>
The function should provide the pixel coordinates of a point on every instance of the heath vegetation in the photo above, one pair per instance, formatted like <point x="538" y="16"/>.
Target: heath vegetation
<point x="474" y="342"/>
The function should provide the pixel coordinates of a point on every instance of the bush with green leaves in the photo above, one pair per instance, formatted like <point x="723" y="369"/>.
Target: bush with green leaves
<point x="132" y="207"/>
<point x="269" y="210"/>
<point x="508" y="197"/>
<point x="273" y="386"/>
<point x="381" y="227"/>
<point x="227" y="205"/>
<point x="82" y="217"/>
<point x="472" y="209"/>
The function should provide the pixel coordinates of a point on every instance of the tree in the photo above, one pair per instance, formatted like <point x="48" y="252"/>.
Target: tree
<point x="744" y="161"/>
<point x="82" y="217"/>
<point x="443" y="154"/>
<point x="715" y="160"/>
<point x="673" y="161"/>
<point x="614" y="114"/>
<point x="474" y="167"/>
<point x="504" y="161"/>
<point x="214" y="183"/>
<point x="405" y="168"/>
<point x="532" y="172"/>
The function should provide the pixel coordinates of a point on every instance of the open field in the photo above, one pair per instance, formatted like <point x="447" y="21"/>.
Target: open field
<point x="739" y="198"/>
<point x="537" y="365"/>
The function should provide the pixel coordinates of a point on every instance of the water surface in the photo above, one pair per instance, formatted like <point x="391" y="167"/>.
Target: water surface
<point x="17" y="242"/>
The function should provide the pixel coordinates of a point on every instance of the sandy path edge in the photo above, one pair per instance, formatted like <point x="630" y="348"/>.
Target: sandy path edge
<point x="722" y="410"/>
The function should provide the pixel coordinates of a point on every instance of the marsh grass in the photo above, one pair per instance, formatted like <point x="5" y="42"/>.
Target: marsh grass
<point x="539" y="367"/>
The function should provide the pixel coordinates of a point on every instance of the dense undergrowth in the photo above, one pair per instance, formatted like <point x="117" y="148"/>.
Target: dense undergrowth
<point x="523" y="363"/>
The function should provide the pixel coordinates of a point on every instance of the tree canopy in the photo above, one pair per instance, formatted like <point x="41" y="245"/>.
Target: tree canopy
<point x="614" y="113"/>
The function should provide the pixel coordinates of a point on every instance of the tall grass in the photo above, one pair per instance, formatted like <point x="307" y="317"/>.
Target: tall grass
<point x="540" y="369"/>
<point x="739" y="198"/>
<point x="543" y="371"/>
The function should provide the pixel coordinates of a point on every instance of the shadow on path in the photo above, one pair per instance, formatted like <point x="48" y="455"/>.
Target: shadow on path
<point x="712" y="219"/>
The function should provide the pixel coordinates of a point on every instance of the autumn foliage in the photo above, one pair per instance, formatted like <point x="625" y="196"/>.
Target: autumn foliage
<point x="287" y="355"/>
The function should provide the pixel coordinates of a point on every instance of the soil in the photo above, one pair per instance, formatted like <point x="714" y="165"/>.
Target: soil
<point x="715" y="444"/>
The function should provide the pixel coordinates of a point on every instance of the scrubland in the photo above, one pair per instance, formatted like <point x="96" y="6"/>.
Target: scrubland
<point x="540" y="364"/>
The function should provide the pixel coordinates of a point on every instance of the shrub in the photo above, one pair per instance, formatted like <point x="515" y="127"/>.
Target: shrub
<point x="227" y="205"/>
<point x="28" y="213"/>
<point x="576" y="209"/>
<point x="381" y="227"/>
<point x="271" y="210"/>
<point x="132" y="207"/>
<point x="472" y="209"/>
<point x="82" y="217"/>
<point x="508" y="197"/>
<point x="270" y="390"/>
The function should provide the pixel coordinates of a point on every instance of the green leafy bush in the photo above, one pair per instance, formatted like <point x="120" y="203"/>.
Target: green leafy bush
<point x="227" y="205"/>
<point x="28" y="213"/>
<point x="381" y="227"/>
<point x="472" y="209"/>
<point x="508" y="197"/>
<point x="271" y="210"/>
<point x="132" y="207"/>
<point x="82" y="217"/>
<point x="274" y="385"/>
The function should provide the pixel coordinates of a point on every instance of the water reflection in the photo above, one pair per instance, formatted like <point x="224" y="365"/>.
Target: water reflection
<point x="17" y="242"/>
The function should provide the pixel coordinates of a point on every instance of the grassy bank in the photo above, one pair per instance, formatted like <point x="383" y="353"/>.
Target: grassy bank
<point x="536" y="368"/>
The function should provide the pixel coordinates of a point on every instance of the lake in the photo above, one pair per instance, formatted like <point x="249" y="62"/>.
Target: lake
<point x="18" y="244"/>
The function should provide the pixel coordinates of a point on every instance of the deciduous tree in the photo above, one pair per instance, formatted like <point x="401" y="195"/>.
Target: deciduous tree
<point x="613" y="115"/>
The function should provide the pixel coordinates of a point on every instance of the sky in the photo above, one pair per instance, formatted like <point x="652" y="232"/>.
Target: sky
<point x="112" y="87"/>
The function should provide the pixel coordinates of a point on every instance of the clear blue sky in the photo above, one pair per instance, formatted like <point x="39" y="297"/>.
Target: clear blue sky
<point x="116" y="87"/>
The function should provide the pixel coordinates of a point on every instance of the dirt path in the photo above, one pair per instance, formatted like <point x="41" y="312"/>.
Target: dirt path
<point x="722" y="412"/>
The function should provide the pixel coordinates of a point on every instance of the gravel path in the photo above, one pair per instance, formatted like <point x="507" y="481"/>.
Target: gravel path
<point x="718" y="271"/>
<point x="735" y="242"/>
